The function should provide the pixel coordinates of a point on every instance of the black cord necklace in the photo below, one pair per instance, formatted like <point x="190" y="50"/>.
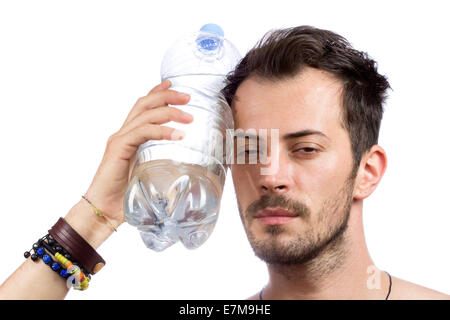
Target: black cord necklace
<point x="390" y="285"/>
<point x="387" y="296"/>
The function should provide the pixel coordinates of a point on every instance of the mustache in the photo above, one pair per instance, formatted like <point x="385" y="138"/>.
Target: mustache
<point x="277" y="201"/>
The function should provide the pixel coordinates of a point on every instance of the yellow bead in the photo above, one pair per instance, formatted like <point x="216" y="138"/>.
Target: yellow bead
<point x="85" y="283"/>
<point x="62" y="259"/>
<point x="58" y="257"/>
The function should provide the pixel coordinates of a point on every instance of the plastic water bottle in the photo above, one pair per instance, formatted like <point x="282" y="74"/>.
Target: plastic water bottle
<point x="175" y="187"/>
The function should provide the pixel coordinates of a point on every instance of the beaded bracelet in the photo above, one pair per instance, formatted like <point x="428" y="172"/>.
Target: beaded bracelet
<point x="80" y="280"/>
<point x="44" y="250"/>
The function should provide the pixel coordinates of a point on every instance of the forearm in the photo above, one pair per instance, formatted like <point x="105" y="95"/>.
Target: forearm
<point x="35" y="280"/>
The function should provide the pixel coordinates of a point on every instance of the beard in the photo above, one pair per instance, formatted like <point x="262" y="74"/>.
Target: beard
<point x="326" y="234"/>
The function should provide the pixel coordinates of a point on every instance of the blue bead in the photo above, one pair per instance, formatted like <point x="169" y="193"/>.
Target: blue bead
<point x="40" y="251"/>
<point x="46" y="258"/>
<point x="63" y="273"/>
<point x="55" y="266"/>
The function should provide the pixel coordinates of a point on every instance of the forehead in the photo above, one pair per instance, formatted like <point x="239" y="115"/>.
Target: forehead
<point x="310" y="100"/>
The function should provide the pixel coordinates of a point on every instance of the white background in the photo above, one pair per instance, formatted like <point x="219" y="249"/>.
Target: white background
<point x="71" y="71"/>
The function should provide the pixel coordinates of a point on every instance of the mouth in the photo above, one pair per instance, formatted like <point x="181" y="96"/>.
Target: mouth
<point x="275" y="216"/>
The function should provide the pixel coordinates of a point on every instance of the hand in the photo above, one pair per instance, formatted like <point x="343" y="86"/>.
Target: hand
<point x="143" y="123"/>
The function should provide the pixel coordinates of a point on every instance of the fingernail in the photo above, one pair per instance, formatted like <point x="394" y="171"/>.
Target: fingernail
<point x="177" y="134"/>
<point x="183" y="95"/>
<point x="187" y="115"/>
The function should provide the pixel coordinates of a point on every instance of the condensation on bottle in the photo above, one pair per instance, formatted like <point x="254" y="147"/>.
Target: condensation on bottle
<point x="175" y="187"/>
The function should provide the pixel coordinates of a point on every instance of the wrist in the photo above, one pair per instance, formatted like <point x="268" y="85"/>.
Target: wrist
<point x="92" y="228"/>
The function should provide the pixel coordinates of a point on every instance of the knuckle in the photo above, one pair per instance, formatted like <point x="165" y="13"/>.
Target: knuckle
<point x="170" y="112"/>
<point x="158" y="130"/>
<point x="111" y="139"/>
<point x="171" y="94"/>
<point x="140" y="101"/>
<point x="162" y="132"/>
<point x="164" y="112"/>
<point x="174" y="113"/>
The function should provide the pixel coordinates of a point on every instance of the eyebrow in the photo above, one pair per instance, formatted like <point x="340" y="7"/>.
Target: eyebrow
<point x="288" y="136"/>
<point x="303" y="133"/>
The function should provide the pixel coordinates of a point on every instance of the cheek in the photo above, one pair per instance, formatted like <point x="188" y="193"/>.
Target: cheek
<point x="236" y="173"/>
<point x="245" y="185"/>
<point x="320" y="179"/>
<point x="243" y="179"/>
<point x="327" y="172"/>
<point x="238" y="176"/>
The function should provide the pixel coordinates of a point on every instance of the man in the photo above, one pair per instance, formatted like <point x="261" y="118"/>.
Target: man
<point x="305" y="219"/>
<point x="302" y="216"/>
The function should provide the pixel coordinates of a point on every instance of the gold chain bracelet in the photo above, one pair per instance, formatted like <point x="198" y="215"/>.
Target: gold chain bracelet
<point x="98" y="213"/>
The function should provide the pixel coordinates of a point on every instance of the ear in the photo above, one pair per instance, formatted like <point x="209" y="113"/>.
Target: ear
<point x="371" y="170"/>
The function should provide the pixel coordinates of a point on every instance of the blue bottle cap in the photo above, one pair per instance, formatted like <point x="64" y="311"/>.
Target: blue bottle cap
<point x="212" y="42"/>
<point x="212" y="28"/>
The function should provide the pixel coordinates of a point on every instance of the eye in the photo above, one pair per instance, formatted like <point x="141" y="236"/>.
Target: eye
<point x="247" y="152"/>
<point x="247" y="156"/>
<point x="307" y="150"/>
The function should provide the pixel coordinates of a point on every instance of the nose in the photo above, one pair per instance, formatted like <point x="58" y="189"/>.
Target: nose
<point x="273" y="188"/>
<point x="279" y="181"/>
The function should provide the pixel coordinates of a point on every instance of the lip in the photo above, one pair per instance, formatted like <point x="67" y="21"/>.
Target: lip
<point x="275" y="216"/>
<point x="274" y="213"/>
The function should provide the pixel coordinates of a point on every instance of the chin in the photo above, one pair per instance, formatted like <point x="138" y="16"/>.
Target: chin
<point x="279" y="230"/>
<point x="271" y="233"/>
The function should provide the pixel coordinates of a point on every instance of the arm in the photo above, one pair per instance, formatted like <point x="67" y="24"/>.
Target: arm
<point x="34" y="279"/>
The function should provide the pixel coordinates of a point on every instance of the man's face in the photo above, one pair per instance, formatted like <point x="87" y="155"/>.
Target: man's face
<point x="313" y="181"/>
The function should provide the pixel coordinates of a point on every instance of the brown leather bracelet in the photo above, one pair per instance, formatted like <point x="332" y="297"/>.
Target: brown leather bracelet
<point x="79" y="249"/>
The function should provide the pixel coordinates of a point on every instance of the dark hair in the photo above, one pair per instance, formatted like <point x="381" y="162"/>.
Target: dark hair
<point x="282" y="54"/>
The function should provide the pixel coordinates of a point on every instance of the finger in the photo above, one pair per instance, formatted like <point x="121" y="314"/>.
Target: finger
<point x="157" y="99"/>
<point x="126" y="145"/>
<point x="158" y="115"/>
<point x="130" y="171"/>
<point x="162" y="86"/>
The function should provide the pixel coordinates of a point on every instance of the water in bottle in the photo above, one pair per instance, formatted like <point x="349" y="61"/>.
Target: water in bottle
<point x="175" y="187"/>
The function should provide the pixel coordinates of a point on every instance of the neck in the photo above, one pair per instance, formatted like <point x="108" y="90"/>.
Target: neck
<point x="343" y="270"/>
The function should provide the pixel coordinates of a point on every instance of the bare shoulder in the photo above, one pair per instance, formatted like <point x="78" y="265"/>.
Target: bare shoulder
<point x="405" y="290"/>
<point x="254" y="297"/>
